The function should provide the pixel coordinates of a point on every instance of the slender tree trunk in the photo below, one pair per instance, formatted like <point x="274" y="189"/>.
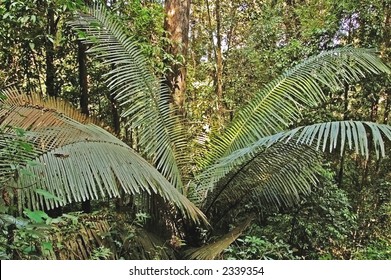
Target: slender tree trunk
<point x="177" y="26"/>
<point x="50" y="69"/>
<point x="387" y="106"/>
<point x="115" y="115"/>
<point x="219" y="61"/>
<point x="216" y="42"/>
<point x="27" y="66"/>
<point x="83" y="83"/>
<point x="367" y="162"/>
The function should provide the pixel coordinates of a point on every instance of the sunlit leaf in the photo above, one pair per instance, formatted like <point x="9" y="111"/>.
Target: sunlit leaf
<point x="37" y="216"/>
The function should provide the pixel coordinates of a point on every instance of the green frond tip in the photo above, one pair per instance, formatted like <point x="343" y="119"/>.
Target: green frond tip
<point x="323" y="136"/>
<point x="275" y="107"/>
<point x="146" y="101"/>
<point x="330" y="136"/>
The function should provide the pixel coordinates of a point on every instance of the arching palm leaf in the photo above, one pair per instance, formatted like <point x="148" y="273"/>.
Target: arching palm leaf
<point x="143" y="96"/>
<point x="279" y="104"/>
<point x="75" y="160"/>
<point x="276" y="169"/>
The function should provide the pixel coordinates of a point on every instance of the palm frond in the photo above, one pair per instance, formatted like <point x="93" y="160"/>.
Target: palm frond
<point x="213" y="250"/>
<point x="275" y="178"/>
<point x="74" y="161"/>
<point x="145" y="99"/>
<point x="279" y="104"/>
<point x="276" y="169"/>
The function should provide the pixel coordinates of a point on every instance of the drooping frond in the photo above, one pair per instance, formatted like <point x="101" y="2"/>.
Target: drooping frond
<point x="144" y="97"/>
<point x="276" y="177"/>
<point x="73" y="161"/>
<point x="15" y="98"/>
<point x="276" y="169"/>
<point x="276" y="106"/>
<point x="214" y="249"/>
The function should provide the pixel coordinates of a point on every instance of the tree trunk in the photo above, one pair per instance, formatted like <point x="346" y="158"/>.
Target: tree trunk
<point x="50" y="33"/>
<point x="219" y="62"/>
<point x="176" y="24"/>
<point x="83" y="84"/>
<point x="115" y="115"/>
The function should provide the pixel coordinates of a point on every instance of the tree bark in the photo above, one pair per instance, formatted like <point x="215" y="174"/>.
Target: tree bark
<point x="176" y="24"/>
<point x="115" y="114"/>
<point x="219" y="61"/>
<point x="50" y="69"/>
<point x="83" y="85"/>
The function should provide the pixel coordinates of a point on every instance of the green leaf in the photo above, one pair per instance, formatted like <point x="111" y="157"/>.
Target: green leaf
<point x="95" y="24"/>
<point x="29" y="249"/>
<point x="27" y="172"/>
<point x="20" y="132"/>
<point x="48" y="246"/>
<point x="32" y="163"/>
<point x="26" y="146"/>
<point x="81" y="34"/>
<point x="47" y="194"/>
<point x="276" y="169"/>
<point x="37" y="216"/>
<point x="32" y="45"/>
<point x="50" y="38"/>
<point x="74" y="219"/>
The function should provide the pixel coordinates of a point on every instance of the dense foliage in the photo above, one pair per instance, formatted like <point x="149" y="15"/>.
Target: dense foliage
<point x="237" y="172"/>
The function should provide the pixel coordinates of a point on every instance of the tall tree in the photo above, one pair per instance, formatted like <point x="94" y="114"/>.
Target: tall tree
<point x="176" y="24"/>
<point x="83" y="82"/>
<point x="219" y="59"/>
<point x="51" y="29"/>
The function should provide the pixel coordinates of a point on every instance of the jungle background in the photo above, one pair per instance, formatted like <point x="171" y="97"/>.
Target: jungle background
<point x="213" y="56"/>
